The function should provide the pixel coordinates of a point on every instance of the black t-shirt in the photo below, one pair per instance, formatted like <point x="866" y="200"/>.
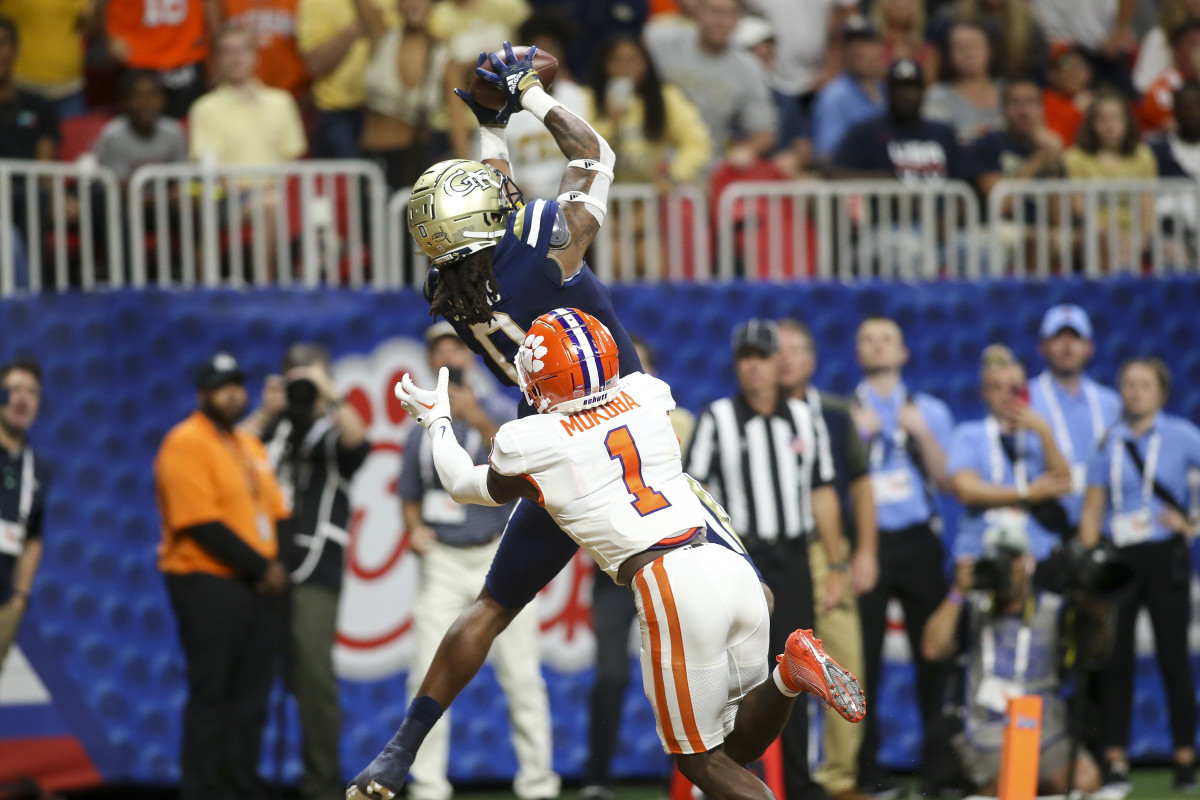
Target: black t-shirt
<point x="24" y="121"/>
<point x="14" y="495"/>
<point x="314" y="470"/>
<point x="923" y="151"/>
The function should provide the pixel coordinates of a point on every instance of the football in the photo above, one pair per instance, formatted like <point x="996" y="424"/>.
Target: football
<point x="489" y="96"/>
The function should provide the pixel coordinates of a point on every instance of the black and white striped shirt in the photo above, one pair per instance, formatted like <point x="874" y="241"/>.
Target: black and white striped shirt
<point x="762" y="469"/>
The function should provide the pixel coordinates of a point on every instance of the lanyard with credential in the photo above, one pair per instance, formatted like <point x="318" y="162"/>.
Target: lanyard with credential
<point x="991" y="427"/>
<point x="1062" y="433"/>
<point x="899" y="435"/>
<point x="1117" y="459"/>
<point x="1020" y="660"/>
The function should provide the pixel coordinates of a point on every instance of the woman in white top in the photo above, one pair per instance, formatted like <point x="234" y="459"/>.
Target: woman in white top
<point x="1154" y="56"/>
<point x="406" y="86"/>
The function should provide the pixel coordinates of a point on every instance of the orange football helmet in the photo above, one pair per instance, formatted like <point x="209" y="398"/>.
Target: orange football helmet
<point x="567" y="362"/>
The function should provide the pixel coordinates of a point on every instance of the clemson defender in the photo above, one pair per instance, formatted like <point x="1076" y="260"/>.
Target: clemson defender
<point x="602" y="459"/>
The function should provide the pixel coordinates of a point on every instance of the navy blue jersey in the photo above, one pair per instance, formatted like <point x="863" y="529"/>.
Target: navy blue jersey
<point x="530" y="284"/>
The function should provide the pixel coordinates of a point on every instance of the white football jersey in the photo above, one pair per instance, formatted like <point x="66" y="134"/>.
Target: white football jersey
<point x="611" y="476"/>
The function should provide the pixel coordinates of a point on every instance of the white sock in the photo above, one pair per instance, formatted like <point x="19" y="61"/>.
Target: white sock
<point x="780" y="685"/>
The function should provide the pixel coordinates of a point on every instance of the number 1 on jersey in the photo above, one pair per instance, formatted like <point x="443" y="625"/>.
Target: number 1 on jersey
<point x="620" y="446"/>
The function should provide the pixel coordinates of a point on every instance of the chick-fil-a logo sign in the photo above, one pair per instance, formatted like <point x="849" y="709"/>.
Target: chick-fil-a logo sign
<point x="375" y="616"/>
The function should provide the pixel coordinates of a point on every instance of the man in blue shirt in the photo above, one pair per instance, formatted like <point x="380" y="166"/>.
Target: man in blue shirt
<point x="907" y="436"/>
<point x="899" y="144"/>
<point x="1137" y="493"/>
<point x="854" y="96"/>
<point x="1078" y="408"/>
<point x="456" y="544"/>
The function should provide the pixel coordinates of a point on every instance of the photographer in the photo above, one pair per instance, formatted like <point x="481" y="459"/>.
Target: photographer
<point x="1010" y="634"/>
<point x="1137" y="491"/>
<point x="316" y="443"/>
<point x="1006" y="469"/>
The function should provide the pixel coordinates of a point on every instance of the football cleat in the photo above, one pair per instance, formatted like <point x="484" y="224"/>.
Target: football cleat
<point x="805" y="667"/>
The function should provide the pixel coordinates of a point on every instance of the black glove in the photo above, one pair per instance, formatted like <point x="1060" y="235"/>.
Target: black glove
<point x="494" y="118"/>
<point x="383" y="777"/>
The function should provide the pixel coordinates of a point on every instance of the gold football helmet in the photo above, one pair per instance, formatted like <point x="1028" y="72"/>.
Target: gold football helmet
<point x="460" y="207"/>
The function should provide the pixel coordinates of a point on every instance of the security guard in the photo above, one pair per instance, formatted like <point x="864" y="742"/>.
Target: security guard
<point x="23" y="482"/>
<point x="220" y="504"/>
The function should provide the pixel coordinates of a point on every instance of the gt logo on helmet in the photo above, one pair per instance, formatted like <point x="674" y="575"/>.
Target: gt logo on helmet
<point x="461" y="183"/>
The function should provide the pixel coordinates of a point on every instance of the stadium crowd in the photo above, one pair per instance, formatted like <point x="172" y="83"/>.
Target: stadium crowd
<point x="702" y="93"/>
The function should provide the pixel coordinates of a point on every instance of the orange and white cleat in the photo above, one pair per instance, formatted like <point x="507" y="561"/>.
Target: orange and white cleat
<point x="805" y="667"/>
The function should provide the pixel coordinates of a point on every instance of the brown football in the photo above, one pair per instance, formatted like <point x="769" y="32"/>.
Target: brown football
<point x="489" y="96"/>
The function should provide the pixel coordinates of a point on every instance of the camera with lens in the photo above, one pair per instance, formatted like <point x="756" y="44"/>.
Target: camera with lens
<point x="994" y="573"/>
<point x="301" y="401"/>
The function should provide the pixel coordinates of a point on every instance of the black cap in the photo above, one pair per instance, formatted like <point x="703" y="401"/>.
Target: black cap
<point x="218" y="371"/>
<point x="759" y="335"/>
<point x="906" y="71"/>
<point x="858" y="27"/>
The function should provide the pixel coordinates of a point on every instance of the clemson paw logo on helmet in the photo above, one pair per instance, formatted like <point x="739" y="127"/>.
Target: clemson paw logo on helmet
<point x="532" y="351"/>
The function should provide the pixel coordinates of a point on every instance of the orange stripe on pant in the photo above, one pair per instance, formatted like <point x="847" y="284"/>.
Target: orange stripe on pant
<point x="678" y="663"/>
<point x="660" y="693"/>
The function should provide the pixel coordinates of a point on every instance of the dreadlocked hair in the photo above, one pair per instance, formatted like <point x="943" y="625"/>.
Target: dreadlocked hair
<point x="465" y="290"/>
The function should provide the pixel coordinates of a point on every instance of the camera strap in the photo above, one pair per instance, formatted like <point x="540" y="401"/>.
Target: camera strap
<point x="1015" y="452"/>
<point x="1058" y="421"/>
<point x="1145" y="469"/>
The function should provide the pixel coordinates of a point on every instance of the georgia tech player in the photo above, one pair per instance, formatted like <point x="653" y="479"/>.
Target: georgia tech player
<point x="602" y="458"/>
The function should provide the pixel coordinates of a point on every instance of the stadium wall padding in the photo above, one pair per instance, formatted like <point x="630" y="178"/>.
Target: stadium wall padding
<point x="118" y="374"/>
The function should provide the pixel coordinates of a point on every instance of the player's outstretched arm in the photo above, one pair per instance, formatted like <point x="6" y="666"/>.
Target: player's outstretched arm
<point x="583" y="192"/>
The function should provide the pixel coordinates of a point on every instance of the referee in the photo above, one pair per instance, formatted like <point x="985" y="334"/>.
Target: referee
<point x="756" y="452"/>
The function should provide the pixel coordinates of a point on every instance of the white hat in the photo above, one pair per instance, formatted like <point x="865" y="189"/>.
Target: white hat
<point x="751" y="31"/>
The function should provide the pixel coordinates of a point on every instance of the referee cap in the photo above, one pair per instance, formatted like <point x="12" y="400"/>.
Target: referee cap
<point x="218" y="371"/>
<point x="757" y="335"/>
<point x="1062" y="317"/>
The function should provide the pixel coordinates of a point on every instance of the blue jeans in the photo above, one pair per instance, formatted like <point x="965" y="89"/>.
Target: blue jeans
<point x="73" y="105"/>
<point x="338" y="134"/>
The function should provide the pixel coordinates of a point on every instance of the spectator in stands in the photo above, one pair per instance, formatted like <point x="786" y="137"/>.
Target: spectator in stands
<point x="273" y="24"/>
<point x="901" y="26"/>
<point x="171" y="39"/>
<point x="26" y="482"/>
<point x="334" y="37"/>
<point x="536" y="161"/>
<point x="1006" y="469"/>
<point x="807" y="55"/>
<point x="1157" y="111"/>
<point x="1070" y="91"/>
<point x="1026" y="148"/>
<point x="1155" y="56"/>
<point x="1137" y="494"/>
<point x="51" y="62"/>
<point x="656" y="132"/>
<point x="967" y="95"/>
<point x="839" y="627"/>
<point x="1079" y="409"/>
<point x="598" y="22"/>
<point x="989" y="626"/>
<point x="242" y="121"/>
<point x="468" y="28"/>
<point x="1108" y="148"/>
<point x="405" y="89"/>
<point x="855" y="95"/>
<point x="140" y="134"/>
<point x="907" y="435"/>
<point x="219" y="504"/>
<point x="613" y="613"/>
<point x="726" y="84"/>
<point x="900" y="144"/>
<point x="1018" y="48"/>
<point x="793" y="152"/>
<point x="456" y="544"/>
<point x="1177" y="152"/>
<point x="1102" y="29"/>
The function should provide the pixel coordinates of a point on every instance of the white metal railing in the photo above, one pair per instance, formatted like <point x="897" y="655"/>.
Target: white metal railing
<point x="60" y="225"/>
<point x="214" y="225"/>
<point x="843" y="230"/>
<point x="1042" y="227"/>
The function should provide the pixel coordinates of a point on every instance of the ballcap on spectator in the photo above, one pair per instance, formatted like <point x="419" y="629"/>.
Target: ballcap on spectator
<point x="218" y="371"/>
<point x="438" y="331"/>
<point x="1064" y="316"/>
<point x="751" y="32"/>
<point x="756" y="336"/>
<point x="1010" y="538"/>
<point x="906" y="71"/>
<point x="858" y="27"/>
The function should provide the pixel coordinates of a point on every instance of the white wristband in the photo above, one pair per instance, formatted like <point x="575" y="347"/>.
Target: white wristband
<point x="493" y="144"/>
<point x="538" y="102"/>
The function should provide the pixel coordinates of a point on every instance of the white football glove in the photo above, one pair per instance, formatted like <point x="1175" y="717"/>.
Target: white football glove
<point x="426" y="406"/>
